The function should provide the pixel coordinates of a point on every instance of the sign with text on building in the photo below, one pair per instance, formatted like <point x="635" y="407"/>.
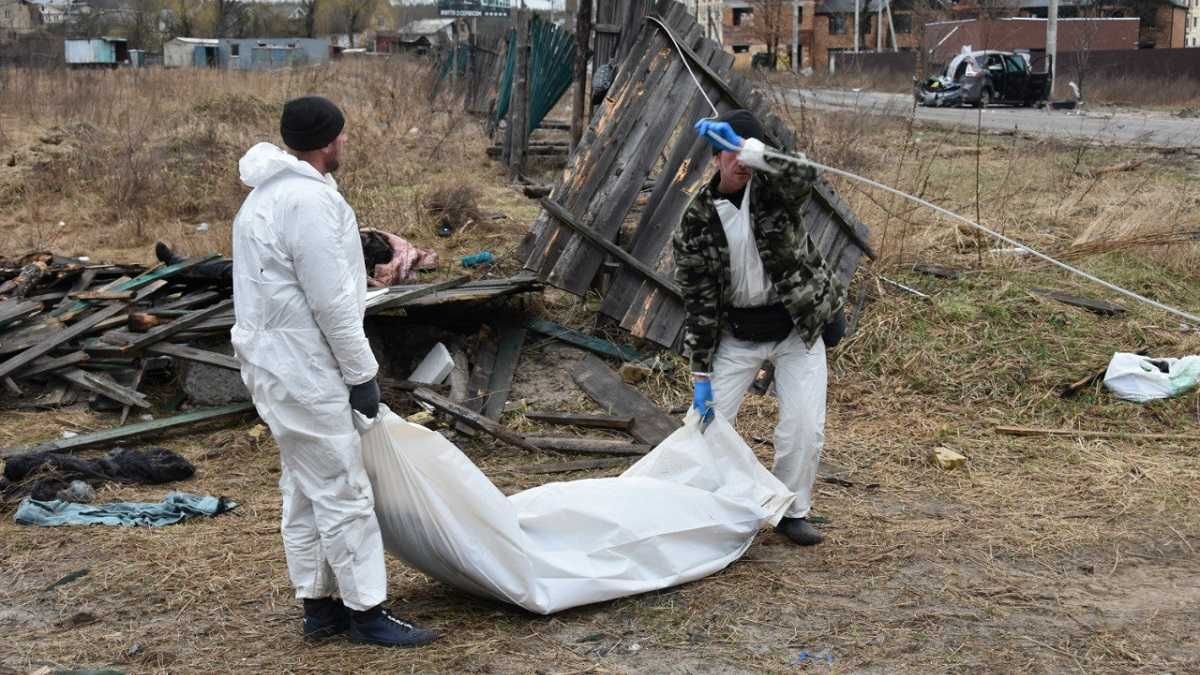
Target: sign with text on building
<point x="474" y="7"/>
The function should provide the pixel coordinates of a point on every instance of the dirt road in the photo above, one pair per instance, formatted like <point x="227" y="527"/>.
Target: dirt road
<point x="1098" y="126"/>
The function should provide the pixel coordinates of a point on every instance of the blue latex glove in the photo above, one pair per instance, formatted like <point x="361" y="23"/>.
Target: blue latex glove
<point x="702" y="399"/>
<point x="709" y="128"/>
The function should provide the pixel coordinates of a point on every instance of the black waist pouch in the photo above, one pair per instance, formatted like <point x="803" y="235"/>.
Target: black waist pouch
<point x="769" y="323"/>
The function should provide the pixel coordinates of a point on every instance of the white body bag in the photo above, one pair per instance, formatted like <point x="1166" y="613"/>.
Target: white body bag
<point x="686" y="510"/>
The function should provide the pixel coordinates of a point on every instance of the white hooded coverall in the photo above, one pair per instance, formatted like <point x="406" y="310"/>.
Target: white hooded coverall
<point x="800" y="371"/>
<point x="299" y="289"/>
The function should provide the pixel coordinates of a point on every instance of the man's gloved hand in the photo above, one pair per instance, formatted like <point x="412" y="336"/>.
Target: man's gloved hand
<point x="708" y="128"/>
<point x="365" y="397"/>
<point x="834" y="330"/>
<point x="702" y="399"/>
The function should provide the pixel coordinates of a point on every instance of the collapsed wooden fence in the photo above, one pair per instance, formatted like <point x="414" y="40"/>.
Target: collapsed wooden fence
<point x="643" y="135"/>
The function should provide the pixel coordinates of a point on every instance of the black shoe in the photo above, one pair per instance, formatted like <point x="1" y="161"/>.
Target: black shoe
<point x="800" y="531"/>
<point x="377" y="626"/>
<point x="164" y="253"/>
<point x="325" y="617"/>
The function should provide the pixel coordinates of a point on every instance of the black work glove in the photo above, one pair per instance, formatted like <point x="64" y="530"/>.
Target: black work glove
<point x="365" y="397"/>
<point x="834" y="330"/>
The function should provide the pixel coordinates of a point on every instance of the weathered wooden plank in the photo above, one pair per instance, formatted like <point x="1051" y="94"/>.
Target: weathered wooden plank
<point x="564" y="217"/>
<point x="589" y="446"/>
<point x="577" y="465"/>
<point x="576" y="420"/>
<point x="481" y="376"/>
<point x="459" y="375"/>
<point x="592" y="344"/>
<point x="133" y="431"/>
<point x="634" y="158"/>
<point x="1090" y="304"/>
<point x="46" y="364"/>
<point x="594" y="159"/>
<point x="17" y="310"/>
<point x="480" y="422"/>
<point x="160" y="333"/>
<point x="604" y="386"/>
<point x="508" y="352"/>
<point x="102" y="383"/>
<point x="100" y="296"/>
<point x="137" y="382"/>
<point x="186" y="302"/>
<point x="687" y="170"/>
<point x="78" y="328"/>
<point x="149" y="277"/>
<point x="195" y="355"/>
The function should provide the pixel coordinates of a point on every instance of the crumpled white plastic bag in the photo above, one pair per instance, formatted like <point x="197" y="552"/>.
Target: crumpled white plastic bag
<point x="1139" y="378"/>
<point x="687" y="509"/>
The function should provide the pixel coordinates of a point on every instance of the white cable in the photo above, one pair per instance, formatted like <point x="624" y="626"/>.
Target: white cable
<point x="687" y="65"/>
<point x="846" y="174"/>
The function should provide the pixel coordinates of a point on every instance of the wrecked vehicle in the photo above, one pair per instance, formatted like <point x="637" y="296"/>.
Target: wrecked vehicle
<point x="981" y="78"/>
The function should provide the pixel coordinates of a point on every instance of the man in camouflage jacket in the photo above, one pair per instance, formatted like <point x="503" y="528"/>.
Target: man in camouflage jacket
<point x="756" y="289"/>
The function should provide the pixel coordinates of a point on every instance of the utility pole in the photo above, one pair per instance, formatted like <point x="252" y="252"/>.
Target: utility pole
<point x="1052" y="44"/>
<point x="856" y="26"/>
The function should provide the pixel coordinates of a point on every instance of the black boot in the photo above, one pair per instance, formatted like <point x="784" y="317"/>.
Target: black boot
<point x="800" y="531"/>
<point x="324" y="617"/>
<point x="164" y="253"/>
<point x="377" y="626"/>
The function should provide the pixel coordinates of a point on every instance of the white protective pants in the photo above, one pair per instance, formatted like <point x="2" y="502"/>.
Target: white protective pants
<point x="800" y="382"/>
<point x="330" y="533"/>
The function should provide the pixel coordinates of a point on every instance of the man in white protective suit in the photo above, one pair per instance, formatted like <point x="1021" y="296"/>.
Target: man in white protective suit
<point x="299" y="290"/>
<point x="756" y="289"/>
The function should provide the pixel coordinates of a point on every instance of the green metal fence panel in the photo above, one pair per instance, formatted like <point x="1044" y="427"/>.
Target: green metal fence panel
<point x="551" y="67"/>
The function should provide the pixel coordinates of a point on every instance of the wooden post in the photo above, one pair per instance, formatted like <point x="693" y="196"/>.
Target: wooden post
<point x="583" y="35"/>
<point x="518" y="108"/>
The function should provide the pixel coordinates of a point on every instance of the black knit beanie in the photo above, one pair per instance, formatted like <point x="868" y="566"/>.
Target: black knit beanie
<point x="310" y="123"/>
<point x="744" y="123"/>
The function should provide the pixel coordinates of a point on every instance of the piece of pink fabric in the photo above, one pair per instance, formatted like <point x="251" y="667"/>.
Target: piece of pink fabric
<point x="406" y="260"/>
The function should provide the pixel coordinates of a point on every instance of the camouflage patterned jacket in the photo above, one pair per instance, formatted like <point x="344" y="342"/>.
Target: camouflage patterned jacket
<point x="799" y="275"/>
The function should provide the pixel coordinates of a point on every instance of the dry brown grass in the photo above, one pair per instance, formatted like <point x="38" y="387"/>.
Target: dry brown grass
<point x="1040" y="555"/>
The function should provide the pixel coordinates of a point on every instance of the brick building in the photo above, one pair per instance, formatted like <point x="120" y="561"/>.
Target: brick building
<point x="813" y="32"/>
<point x="1163" y="22"/>
<point x="1191" y="36"/>
<point x="944" y="39"/>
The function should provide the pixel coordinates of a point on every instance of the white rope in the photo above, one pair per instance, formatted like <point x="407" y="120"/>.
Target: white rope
<point x="683" y="56"/>
<point x="801" y="159"/>
<point x="992" y="233"/>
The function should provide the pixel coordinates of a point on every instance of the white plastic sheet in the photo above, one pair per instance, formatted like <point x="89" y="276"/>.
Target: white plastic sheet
<point x="686" y="510"/>
<point x="1140" y="378"/>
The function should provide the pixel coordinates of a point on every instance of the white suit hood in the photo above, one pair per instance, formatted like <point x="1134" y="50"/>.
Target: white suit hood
<point x="299" y="281"/>
<point x="266" y="161"/>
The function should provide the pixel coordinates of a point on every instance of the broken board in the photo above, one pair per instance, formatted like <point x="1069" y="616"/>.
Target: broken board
<point x="650" y="424"/>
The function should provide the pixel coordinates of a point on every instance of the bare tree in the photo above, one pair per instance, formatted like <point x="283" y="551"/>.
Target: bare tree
<point x="353" y="16"/>
<point x="142" y="19"/>
<point x="309" y="9"/>
<point x="184" y="17"/>
<point x="228" y="18"/>
<point x="771" y="25"/>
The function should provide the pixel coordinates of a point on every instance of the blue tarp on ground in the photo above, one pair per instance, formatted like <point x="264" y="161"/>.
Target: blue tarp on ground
<point x="175" y="507"/>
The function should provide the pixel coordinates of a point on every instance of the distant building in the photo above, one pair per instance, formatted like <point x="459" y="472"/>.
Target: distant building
<point x="709" y="14"/>
<point x="244" y="53"/>
<point x="96" y="52"/>
<point x="19" y="16"/>
<point x="945" y="39"/>
<point x="811" y="30"/>
<point x="437" y="31"/>
<point x="1192" y="25"/>
<point x="398" y="43"/>
<point x="1163" y="22"/>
